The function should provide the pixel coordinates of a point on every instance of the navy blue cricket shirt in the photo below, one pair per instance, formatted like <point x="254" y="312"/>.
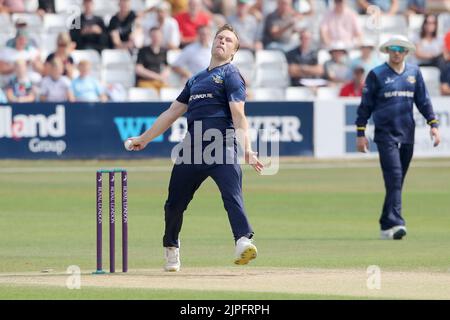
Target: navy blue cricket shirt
<point x="208" y="94"/>
<point x="389" y="98"/>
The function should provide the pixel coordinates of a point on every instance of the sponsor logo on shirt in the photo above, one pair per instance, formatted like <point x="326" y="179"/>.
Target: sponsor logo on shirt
<point x="391" y="94"/>
<point x="217" y="79"/>
<point x="389" y="80"/>
<point x="201" y="96"/>
<point x="411" y="79"/>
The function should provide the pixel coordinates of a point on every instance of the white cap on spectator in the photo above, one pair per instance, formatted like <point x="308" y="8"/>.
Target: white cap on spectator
<point x="368" y="42"/>
<point x="398" y="40"/>
<point x="337" y="46"/>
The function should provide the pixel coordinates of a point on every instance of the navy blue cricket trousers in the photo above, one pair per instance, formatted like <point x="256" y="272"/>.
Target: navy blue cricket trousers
<point x="394" y="159"/>
<point x="186" y="179"/>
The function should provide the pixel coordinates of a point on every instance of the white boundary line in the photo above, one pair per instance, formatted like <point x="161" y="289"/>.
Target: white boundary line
<point x="285" y="166"/>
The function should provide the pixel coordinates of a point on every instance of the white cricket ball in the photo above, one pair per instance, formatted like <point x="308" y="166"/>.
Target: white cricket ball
<point x="129" y="144"/>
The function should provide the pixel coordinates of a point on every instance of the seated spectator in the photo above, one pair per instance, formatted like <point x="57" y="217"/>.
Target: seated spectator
<point x="256" y="10"/>
<point x="260" y="9"/>
<point x="160" y="17"/>
<point x="445" y="67"/>
<point x="190" y="21"/>
<point x="86" y="88"/>
<point x="225" y="8"/>
<point x="12" y="6"/>
<point x="280" y="27"/>
<point x="195" y="57"/>
<point x="121" y="27"/>
<point x="247" y="27"/>
<point x="389" y="7"/>
<point x="20" y="88"/>
<point x="305" y="7"/>
<point x="63" y="50"/>
<point x="303" y="61"/>
<point x="56" y="87"/>
<point x="92" y="33"/>
<point x="178" y="6"/>
<point x="3" y="98"/>
<point x="416" y="7"/>
<point x="369" y="58"/>
<point x="354" y="87"/>
<point x="46" y="6"/>
<point x="428" y="44"/>
<point x="337" y="70"/>
<point x="22" y="51"/>
<point x="151" y="67"/>
<point x="22" y="25"/>
<point x="340" y="24"/>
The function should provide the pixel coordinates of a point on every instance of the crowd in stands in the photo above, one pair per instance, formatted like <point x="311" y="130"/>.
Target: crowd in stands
<point x="94" y="50"/>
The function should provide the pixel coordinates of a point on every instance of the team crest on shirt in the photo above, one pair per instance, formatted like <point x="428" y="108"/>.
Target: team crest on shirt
<point x="217" y="79"/>
<point x="411" y="79"/>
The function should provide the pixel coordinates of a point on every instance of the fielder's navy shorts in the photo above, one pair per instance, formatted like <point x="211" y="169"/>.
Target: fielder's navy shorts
<point x="395" y="159"/>
<point x="186" y="179"/>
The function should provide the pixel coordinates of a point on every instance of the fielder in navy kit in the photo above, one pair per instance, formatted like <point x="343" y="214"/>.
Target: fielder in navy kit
<point x="213" y="99"/>
<point x="389" y="93"/>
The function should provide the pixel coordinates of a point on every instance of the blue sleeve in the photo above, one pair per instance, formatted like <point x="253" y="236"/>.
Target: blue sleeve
<point x="235" y="87"/>
<point x="445" y="75"/>
<point x="423" y="101"/>
<point x="366" y="106"/>
<point x="99" y="88"/>
<point x="185" y="94"/>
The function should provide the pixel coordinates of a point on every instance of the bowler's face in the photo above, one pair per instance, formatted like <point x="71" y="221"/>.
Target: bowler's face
<point x="225" y="45"/>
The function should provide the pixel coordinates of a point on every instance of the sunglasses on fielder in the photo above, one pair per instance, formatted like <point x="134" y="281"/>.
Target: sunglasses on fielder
<point x="397" y="49"/>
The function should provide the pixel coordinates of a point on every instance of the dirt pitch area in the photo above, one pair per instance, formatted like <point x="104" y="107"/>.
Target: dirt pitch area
<point x="352" y="283"/>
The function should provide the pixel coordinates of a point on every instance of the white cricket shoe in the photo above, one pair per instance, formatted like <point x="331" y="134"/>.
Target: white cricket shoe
<point x="172" y="259"/>
<point x="245" y="251"/>
<point x="394" y="233"/>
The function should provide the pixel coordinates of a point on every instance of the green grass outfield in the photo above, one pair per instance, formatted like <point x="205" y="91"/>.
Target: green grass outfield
<point x="312" y="214"/>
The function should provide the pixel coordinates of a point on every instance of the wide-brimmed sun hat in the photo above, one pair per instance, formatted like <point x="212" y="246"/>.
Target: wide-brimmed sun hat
<point x="398" y="41"/>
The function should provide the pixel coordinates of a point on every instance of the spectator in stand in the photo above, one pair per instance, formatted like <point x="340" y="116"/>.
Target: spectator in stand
<point x="256" y="10"/>
<point x="225" y="8"/>
<point x="445" y="67"/>
<point x="195" y="57"/>
<point x="337" y="70"/>
<point x="303" y="61"/>
<point x="20" y="88"/>
<point x="178" y="6"/>
<point x="428" y="44"/>
<point x="160" y="17"/>
<point x="22" y="51"/>
<point x="305" y="7"/>
<point x="262" y="8"/>
<point x="121" y="27"/>
<point x="56" y="87"/>
<point x="22" y="25"/>
<point x="3" y="98"/>
<point x="152" y="69"/>
<point x="340" y="24"/>
<point x="63" y="50"/>
<point x="46" y="6"/>
<point x="280" y="27"/>
<point x="354" y="87"/>
<point x="86" y="88"/>
<point x="389" y="7"/>
<point x="93" y="33"/>
<point x="369" y="59"/>
<point x="247" y="27"/>
<point x="416" y="7"/>
<point x="190" y="21"/>
<point x="12" y="6"/>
